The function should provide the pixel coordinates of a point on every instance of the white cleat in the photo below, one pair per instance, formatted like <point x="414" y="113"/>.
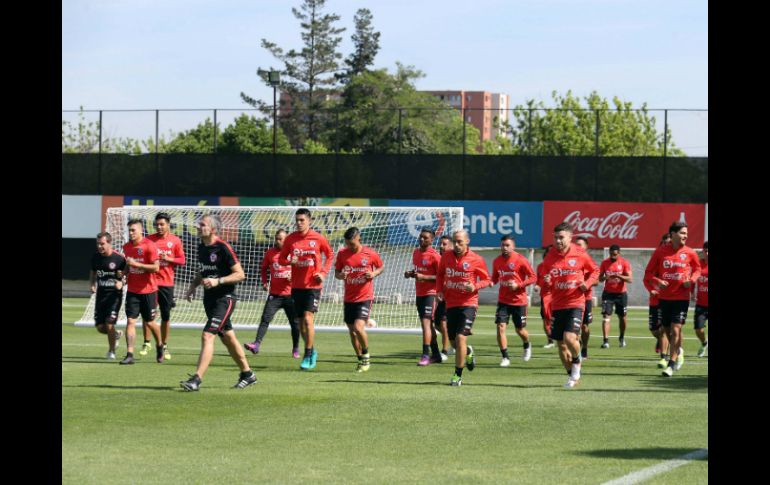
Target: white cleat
<point x="527" y="354"/>
<point x="444" y="357"/>
<point x="606" y="345"/>
<point x="505" y="362"/>
<point x="110" y="355"/>
<point x="571" y="383"/>
<point x="450" y="351"/>
<point x="549" y="345"/>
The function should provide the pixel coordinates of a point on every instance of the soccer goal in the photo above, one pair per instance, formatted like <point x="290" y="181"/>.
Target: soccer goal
<point x="391" y="231"/>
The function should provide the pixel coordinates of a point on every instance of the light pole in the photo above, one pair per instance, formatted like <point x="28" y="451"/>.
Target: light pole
<point x="273" y="78"/>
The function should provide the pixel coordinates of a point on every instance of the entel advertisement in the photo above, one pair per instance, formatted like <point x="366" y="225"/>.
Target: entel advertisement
<point x="627" y="224"/>
<point x="488" y="221"/>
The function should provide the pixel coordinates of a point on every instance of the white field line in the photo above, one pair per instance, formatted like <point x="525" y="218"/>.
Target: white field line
<point x="651" y="471"/>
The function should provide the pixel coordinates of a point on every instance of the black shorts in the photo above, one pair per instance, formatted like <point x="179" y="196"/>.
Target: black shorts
<point x="166" y="301"/>
<point x="701" y="315"/>
<point x="439" y="314"/>
<point x="358" y="310"/>
<point x="588" y="314"/>
<point x="459" y="320"/>
<point x="655" y="317"/>
<point x="107" y="307"/>
<point x="425" y="306"/>
<point x="618" y="300"/>
<point x="275" y="303"/>
<point x="145" y="304"/>
<point x="305" y="299"/>
<point x="566" y="320"/>
<point x="517" y="313"/>
<point x="673" y="311"/>
<point x="219" y="311"/>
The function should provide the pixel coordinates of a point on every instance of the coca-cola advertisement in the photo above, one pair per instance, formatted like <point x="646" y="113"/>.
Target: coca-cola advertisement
<point x="627" y="224"/>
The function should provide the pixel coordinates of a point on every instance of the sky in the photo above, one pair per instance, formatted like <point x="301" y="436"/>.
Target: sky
<point x="196" y="54"/>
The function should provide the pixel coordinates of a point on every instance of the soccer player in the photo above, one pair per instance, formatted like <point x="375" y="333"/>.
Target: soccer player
<point x="588" y="316"/>
<point x="107" y="267"/>
<point x="279" y="296"/>
<point x="673" y="269"/>
<point x="302" y="249"/>
<point x="358" y="265"/>
<point x="702" y="301"/>
<point x="219" y="272"/>
<point x="425" y="260"/>
<point x="655" y="317"/>
<point x="461" y="274"/>
<point x="171" y="255"/>
<point x="568" y="272"/>
<point x="545" y="301"/>
<point x="615" y="272"/>
<point x="439" y="316"/>
<point x="514" y="273"/>
<point x="142" y="295"/>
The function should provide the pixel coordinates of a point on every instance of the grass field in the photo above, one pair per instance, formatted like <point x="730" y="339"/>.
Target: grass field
<point x="398" y="423"/>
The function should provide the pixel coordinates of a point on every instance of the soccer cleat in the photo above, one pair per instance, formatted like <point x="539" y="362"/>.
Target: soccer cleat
<point x="451" y="351"/>
<point x="702" y="349"/>
<point x="191" y="384"/>
<point x="245" y="380"/>
<point x="295" y="353"/>
<point x="444" y="357"/>
<point x="305" y="364"/>
<point x="575" y="373"/>
<point x="679" y="359"/>
<point x="456" y="380"/>
<point x="505" y="362"/>
<point x="118" y="336"/>
<point x="668" y="372"/>
<point x="128" y="360"/>
<point x="470" y="359"/>
<point x="606" y="345"/>
<point x="571" y="383"/>
<point x="365" y="363"/>
<point x="166" y="353"/>
<point x="110" y="355"/>
<point x="549" y="345"/>
<point x="424" y="360"/>
<point x="159" y="354"/>
<point x="313" y="359"/>
<point x="146" y="347"/>
<point x="621" y="342"/>
<point x="527" y="354"/>
<point x="253" y="346"/>
<point x="436" y="359"/>
<point x="662" y="363"/>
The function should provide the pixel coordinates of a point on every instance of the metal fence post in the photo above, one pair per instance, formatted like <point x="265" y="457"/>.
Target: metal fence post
<point x="529" y="134"/>
<point x="215" y="131"/>
<point x="596" y="140"/>
<point x="665" y="146"/>
<point x="99" y="174"/>
<point x="399" y="130"/>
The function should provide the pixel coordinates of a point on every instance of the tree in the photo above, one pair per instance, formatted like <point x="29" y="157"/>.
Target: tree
<point x="248" y="134"/>
<point x="308" y="70"/>
<point x="83" y="137"/>
<point x="369" y="117"/>
<point x="570" y="129"/>
<point x="366" y="44"/>
<point x="196" y="140"/>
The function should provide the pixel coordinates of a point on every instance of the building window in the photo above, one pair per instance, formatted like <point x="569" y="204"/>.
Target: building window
<point x="468" y="97"/>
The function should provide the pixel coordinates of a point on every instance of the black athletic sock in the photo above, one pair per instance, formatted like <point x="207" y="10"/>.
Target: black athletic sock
<point x="308" y="352"/>
<point x="434" y="348"/>
<point x="425" y="349"/>
<point x="505" y="353"/>
<point x="129" y="354"/>
<point x="458" y="371"/>
<point x="575" y="360"/>
<point x="364" y="351"/>
<point x="606" y="340"/>
<point x="147" y="341"/>
<point x="622" y="335"/>
<point x="526" y="345"/>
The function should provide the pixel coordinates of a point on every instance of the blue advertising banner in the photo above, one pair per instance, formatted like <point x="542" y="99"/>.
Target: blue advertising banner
<point x="150" y="200"/>
<point x="488" y="221"/>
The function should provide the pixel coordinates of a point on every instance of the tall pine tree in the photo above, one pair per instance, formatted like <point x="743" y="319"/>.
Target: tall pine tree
<point x="366" y="44"/>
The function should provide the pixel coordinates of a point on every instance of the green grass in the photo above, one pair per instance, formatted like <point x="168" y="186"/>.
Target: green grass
<point x="396" y="423"/>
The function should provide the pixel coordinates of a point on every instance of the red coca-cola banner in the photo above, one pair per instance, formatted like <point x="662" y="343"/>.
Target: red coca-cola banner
<point x="627" y="224"/>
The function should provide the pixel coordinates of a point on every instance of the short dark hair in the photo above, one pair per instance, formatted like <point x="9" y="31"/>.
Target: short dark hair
<point x="429" y="231"/>
<point x="508" y="237"/>
<point x="279" y="231"/>
<point x="580" y="238"/>
<point x="163" y="215"/>
<point x="676" y="226"/>
<point x="105" y="235"/>
<point x="706" y="245"/>
<point x="665" y="236"/>
<point x="447" y="237"/>
<point x="135" y="221"/>
<point x="614" y="247"/>
<point x="352" y="232"/>
<point x="564" y="226"/>
<point x="303" y="212"/>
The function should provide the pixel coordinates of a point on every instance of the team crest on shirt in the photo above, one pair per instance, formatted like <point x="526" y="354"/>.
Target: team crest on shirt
<point x="667" y="264"/>
<point x="297" y="251"/>
<point x="619" y="267"/>
<point x="169" y="244"/>
<point x="312" y="244"/>
<point x="510" y="265"/>
<point x="364" y="261"/>
<point x="425" y="262"/>
<point x="213" y="257"/>
<point x="276" y="266"/>
<point x="112" y="265"/>
<point x="139" y="251"/>
<point x="466" y="265"/>
<point x="683" y="256"/>
<point x="572" y="262"/>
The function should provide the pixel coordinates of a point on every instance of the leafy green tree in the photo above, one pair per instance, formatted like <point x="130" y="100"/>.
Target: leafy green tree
<point x="248" y="134"/>
<point x="308" y="73"/>
<point x="196" y="140"/>
<point x="83" y="137"/>
<point x="366" y="44"/>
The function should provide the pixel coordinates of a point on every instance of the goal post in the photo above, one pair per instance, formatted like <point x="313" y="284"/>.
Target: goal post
<point x="391" y="231"/>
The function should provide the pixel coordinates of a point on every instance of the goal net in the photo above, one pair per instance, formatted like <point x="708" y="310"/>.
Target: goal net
<point x="391" y="231"/>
